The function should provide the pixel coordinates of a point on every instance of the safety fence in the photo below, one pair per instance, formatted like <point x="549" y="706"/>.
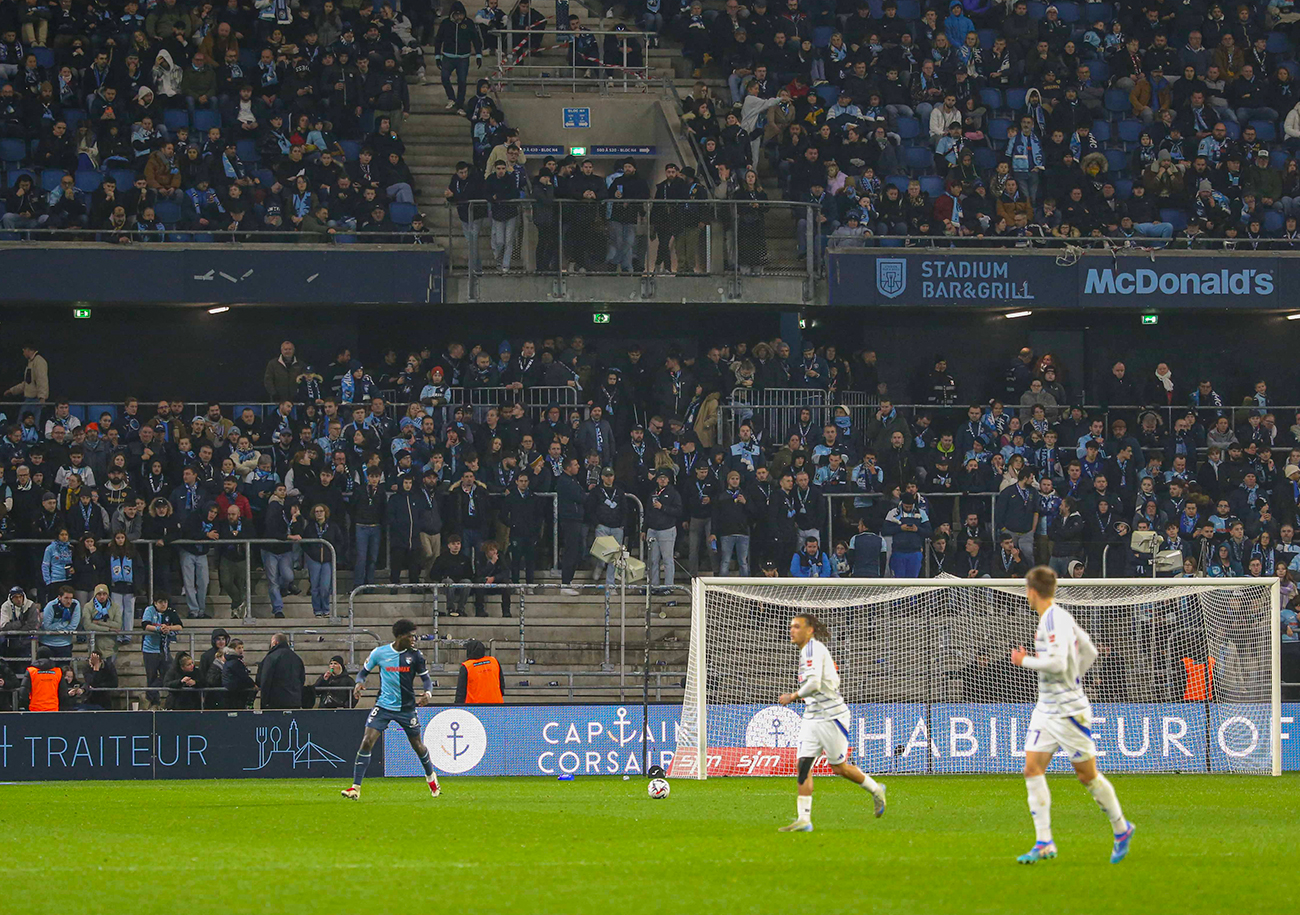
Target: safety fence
<point x="607" y="59"/>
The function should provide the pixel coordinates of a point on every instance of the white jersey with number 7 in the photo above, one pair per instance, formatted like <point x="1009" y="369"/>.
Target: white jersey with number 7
<point x="1064" y="654"/>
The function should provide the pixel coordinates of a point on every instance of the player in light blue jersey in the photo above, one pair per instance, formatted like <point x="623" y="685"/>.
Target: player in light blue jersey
<point x="398" y="665"/>
<point x="1062" y="718"/>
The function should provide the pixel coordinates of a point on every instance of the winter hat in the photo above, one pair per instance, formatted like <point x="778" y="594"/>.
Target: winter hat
<point x="1204" y="185"/>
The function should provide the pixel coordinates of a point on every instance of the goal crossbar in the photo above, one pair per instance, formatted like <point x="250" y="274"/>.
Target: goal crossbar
<point x="1191" y="666"/>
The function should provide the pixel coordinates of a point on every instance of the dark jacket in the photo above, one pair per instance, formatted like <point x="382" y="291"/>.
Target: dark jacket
<point x="181" y="696"/>
<point x="667" y="514"/>
<point x="1067" y="536"/>
<point x="403" y="515"/>
<point x="523" y="513"/>
<point x="239" y="685"/>
<point x="608" y="508"/>
<point x="571" y="496"/>
<point x="729" y="516"/>
<point x="280" y="676"/>
<point x="205" y="661"/>
<point x="330" y="690"/>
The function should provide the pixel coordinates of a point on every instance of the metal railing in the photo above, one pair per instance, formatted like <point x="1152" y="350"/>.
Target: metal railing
<point x="650" y="241"/>
<point x="588" y="59"/>
<point x="883" y="236"/>
<point x="185" y="233"/>
<point x="958" y="500"/>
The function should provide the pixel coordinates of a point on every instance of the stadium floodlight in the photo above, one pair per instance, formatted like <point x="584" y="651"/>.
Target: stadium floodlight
<point x="1188" y="678"/>
<point x="218" y="309"/>
<point x="1018" y="314"/>
<point x="1294" y="317"/>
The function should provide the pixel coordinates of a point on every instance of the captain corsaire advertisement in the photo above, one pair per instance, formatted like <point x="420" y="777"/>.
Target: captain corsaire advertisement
<point x="1047" y="278"/>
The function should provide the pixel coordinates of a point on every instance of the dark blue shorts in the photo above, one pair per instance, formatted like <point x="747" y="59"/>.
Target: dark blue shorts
<point x="409" y="722"/>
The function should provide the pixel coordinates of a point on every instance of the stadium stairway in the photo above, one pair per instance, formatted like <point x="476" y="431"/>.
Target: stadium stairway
<point x="563" y="638"/>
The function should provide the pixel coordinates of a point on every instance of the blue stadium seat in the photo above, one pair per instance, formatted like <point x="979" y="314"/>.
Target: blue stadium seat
<point x="73" y="117"/>
<point x="997" y="131"/>
<point x="1116" y="102"/>
<point x="1278" y="43"/>
<point x="1037" y="10"/>
<point x="909" y="9"/>
<point x="1100" y="71"/>
<point x="828" y="95"/>
<point x="1124" y="188"/>
<point x="248" y="57"/>
<point x="932" y="185"/>
<point x="1278" y="158"/>
<point x="96" y="410"/>
<point x="1175" y="217"/>
<point x="1273" y="221"/>
<point x="918" y="158"/>
<point x="176" y="236"/>
<point x="991" y="98"/>
<point x="264" y="175"/>
<point x="203" y="238"/>
<point x="1233" y="130"/>
<point x="88" y="181"/>
<point x="898" y="181"/>
<point x="1094" y="11"/>
<point x="50" y="178"/>
<point x="168" y="213"/>
<point x="351" y="149"/>
<point x="402" y="213"/>
<point x="1130" y="131"/>
<point x="908" y="129"/>
<point x="822" y="36"/>
<point x="124" y="177"/>
<point x="176" y="118"/>
<point x="1069" y="12"/>
<point x="1016" y="99"/>
<point x="345" y="239"/>
<point x="44" y="57"/>
<point x="985" y="158"/>
<point x="987" y="37"/>
<point x="12" y="153"/>
<point x="1101" y="130"/>
<point x="1265" y="130"/>
<point x="205" y="120"/>
<point x="1116" y="161"/>
<point x="247" y="151"/>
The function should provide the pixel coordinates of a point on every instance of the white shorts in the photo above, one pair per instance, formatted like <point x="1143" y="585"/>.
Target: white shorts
<point x="829" y="736"/>
<point x="1047" y="734"/>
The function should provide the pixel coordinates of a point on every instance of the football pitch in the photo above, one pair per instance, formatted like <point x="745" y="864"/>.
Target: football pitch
<point x="600" y="845"/>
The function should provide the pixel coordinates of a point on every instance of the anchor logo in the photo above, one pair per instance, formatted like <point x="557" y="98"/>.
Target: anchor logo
<point x="456" y="740"/>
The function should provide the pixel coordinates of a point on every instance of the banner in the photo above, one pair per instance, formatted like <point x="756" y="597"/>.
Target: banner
<point x="1044" y="278"/>
<point x="52" y="746"/>
<point x="216" y="273"/>
<point x="883" y="738"/>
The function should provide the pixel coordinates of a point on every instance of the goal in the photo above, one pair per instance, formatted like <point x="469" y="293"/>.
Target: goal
<point x="1187" y="677"/>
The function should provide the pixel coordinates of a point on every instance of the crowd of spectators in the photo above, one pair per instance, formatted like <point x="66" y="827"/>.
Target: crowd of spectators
<point x="1140" y="122"/>
<point x="208" y="117"/>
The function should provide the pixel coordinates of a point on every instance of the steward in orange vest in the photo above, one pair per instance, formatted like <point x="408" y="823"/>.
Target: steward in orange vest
<point x="1200" y="680"/>
<point x="43" y="686"/>
<point x="481" y="681"/>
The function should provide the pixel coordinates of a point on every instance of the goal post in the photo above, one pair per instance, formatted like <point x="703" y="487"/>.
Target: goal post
<point x="1187" y="679"/>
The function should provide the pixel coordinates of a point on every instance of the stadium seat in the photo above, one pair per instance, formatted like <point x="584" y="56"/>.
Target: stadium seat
<point x="1094" y="11"/>
<point x="50" y="178"/>
<point x="88" y="181"/>
<point x="1124" y="188"/>
<point x="1101" y="130"/>
<point x="176" y="236"/>
<point x="1130" y="131"/>
<point x="1233" y="130"/>
<point x="44" y="57"/>
<point x="1273" y="221"/>
<point x="247" y="151"/>
<point x="205" y="120"/>
<point x="1100" y="71"/>
<point x="351" y="149"/>
<point x="12" y="153"/>
<point x="908" y="129"/>
<point x="124" y="177"/>
<point x="932" y="185"/>
<point x="1069" y="12"/>
<point x="176" y="118"/>
<point x="822" y="36"/>
<point x="918" y="158"/>
<point x="985" y="158"/>
<point x="909" y="9"/>
<point x="248" y="58"/>
<point x="898" y="181"/>
<point x="1016" y="99"/>
<point x="1278" y="43"/>
<point x="73" y="117"/>
<point x="402" y="213"/>
<point x="1265" y="130"/>
<point x="203" y="238"/>
<point x="168" y="213"/>
<point x="264" y="175"/>
<point x="1037" y="10"/>
<point x="987" y="37"/>
<point x="1278" y="158"/>
<point x="1175" y="217"/>
<point x="828" y="95"/>
<point x="345" y="239"/>
<point x="1116" y="161"/>
<point x="991" y="98"/>
<point x="1116" y="102"/>
<point x="997" y="131"/>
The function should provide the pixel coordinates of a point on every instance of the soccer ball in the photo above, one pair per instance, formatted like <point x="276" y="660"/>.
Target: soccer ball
<point x="657" y="789"/>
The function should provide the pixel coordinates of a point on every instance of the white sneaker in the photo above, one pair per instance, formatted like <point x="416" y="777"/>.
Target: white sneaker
<point x="419" y="74"/>
<point x="352" y="794"/>
<point x="572" y="592"/>
<point x="879" y="797"/>
<point x="799" y="825"/>
<point x="451" y="103"/>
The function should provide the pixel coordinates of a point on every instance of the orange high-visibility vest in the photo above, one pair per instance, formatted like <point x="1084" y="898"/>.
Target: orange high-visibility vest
<point x="482" y="681"/>
<point x="45" y="689"/>
<point x="1200" y="680"/>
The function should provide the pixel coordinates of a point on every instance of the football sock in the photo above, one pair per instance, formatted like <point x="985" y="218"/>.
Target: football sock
<point x="869" y="783"/>
<point x="1103" y="792"/>
<point x="427" y="763"/>
<point x="803" y="806"/>
<point x="359" y="769"/>
<point x="1040" y="806"/>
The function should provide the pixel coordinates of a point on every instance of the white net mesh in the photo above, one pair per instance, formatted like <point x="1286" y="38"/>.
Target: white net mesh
<point x="1183" y="680"/>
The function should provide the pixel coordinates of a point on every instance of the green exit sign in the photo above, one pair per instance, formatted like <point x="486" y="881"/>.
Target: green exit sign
<point x="600" y="317"/>
<point x="577" y="150"/>
<point x="1151" y="319"/>
<point x="81" y="312"/>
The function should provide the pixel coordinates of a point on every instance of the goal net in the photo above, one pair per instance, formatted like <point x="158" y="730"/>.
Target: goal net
<point x="1187" y="677"/>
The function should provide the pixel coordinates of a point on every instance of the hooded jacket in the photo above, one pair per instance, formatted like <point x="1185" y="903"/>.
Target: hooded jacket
<point x="280" y="676"/>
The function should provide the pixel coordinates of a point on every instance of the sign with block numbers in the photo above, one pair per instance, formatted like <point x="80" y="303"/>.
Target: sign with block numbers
<point x="577" y="117"/>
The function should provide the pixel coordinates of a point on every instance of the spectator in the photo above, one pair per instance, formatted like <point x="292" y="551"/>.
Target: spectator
<point x="18" y="614"/>
<point x="908" y="526"/>
<point x="235" y="679"/>
<point x="333" y="689"/>
<point x="99" y="682"/>
<point x="281" y="675"/>
<point x="811" y="562"/>
<point x="160" y="623"/>
<point x="320" y="557"/>
<point x="60" y="619"/>
<point x="455" y="569"/>
<point x="184" y="689"/>
<point x="663" y="513"/>
<point x="571" y="494"/>
<point x="104" y="615"/>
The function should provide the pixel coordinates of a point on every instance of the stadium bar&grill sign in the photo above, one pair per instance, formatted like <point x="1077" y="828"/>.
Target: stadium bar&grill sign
<point x="952" y="277"/>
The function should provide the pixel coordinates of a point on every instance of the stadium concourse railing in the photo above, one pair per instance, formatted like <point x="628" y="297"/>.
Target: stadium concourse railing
<point x="588" y="60"/>
<point x="560" y="238"/>
<point x="340" y="234"/>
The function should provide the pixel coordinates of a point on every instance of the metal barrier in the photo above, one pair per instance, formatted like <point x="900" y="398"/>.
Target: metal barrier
<point x="956" y="497"/>
<point x="775" y="412"/>
<point x="537" y="400"/>
<point x="585" y="52"/>
<point x="340" y="235"/>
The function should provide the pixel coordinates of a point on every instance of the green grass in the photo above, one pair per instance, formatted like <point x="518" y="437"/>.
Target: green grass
<point x="599" y="845"/>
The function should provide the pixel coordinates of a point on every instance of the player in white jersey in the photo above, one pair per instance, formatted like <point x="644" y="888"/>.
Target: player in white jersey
<point x="1062" y="718"/>
<point x="825" y="727"/>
